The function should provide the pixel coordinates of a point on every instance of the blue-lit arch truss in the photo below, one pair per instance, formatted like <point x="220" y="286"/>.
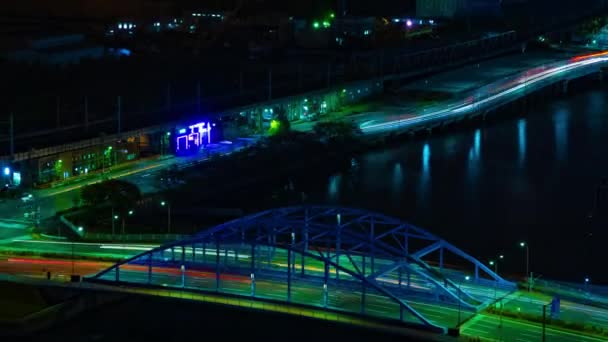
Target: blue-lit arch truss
<point x="332" y="258"/>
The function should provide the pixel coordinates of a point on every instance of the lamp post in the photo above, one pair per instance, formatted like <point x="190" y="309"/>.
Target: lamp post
<point x="495" y="264"/>
<point x="544" y="338"/>
<point x="168" y="205"/>
<point x="523" y="244"/>
<point x="113" y="218"/>
<point x="467" y="278"/>
<point x="130" y="212"/>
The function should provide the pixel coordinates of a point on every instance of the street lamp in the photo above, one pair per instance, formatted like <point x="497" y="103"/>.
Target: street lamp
<point x="130" y="212"/>
<point x="467" y="278"/>
<point x="523" y="244"/>
<point x="495" y="264"/>
<point x="168" y="205"/>
<point x="113" y="218"/>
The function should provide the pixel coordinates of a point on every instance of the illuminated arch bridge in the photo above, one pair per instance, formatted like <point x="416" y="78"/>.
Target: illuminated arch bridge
<point x="330" y="258"/>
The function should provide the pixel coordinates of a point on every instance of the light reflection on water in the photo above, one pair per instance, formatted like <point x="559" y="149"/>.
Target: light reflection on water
<point x="538" y="176"/>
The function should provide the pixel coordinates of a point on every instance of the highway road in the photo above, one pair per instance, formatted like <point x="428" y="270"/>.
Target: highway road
<point x="78" y="249"/>
<point x="344" y="294"/>
<point x="494" y="328"/>
<point x="60" y="269"/>
<point x="490" y="95"/>
<point x="570" y="311"/>
<point x="269" y="282"/>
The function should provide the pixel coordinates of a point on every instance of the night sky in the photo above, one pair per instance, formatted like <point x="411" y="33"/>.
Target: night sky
<point x="109" y="8"/>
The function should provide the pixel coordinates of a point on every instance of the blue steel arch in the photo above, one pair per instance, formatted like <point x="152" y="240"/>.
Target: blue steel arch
<point x="347" y="240"/>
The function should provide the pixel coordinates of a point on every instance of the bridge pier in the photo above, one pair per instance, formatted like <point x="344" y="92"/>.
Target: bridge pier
<point x="603" y="75"/>
<point x="564" y="86"/>
<point x="217" y="264"/>
<point x="338" y="243"/>
<point x="399" y="276"/>
<point x="363" y="287"/>
<point x="373" y="249"/>
<point x="289" y="275"/>
<point x="325" y="280"/>
<point x="253" y="258"/>
<point x="149" y="268"/>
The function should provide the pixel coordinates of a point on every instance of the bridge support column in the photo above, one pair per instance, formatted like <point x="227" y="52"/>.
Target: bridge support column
<point x="565" y="87"/>
<point x="338" y="244"/>
<point x="441" y="259"/>
<point x="371" y="240"/>
<point x="253" y="258"/>
<point x="363" y="265"/>
<point x="217" y="264"/>
<point x="293" y="261"/>
<point x="302" y="270"/>
<point x="172" y="254"/>
<point x="603" y="75"/>
<point x="183" y="255"/>
<point x="149" y="268"/>
<point x="268" y="249"/>
<point x="363" y="287"/>
<point x="289" y="275"/>
<point x="476" y="273"/>
<point x="406" y="242"/>
<point x="117" y="274"/>
<point x="204" y="251"/>
<point x="399" y="276"/>
<point x="325" y="280"/>
<point x="193" y="252"/>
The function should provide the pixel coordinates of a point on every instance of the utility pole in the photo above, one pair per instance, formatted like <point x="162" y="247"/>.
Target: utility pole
<point x="119" y="114"/>
<point x="241" y="81"/>
<point x="270" y="84"/>
<point x="169" y="219"/>
<point x="300" y="75"/>
<point x="169" y="98"/>
<point x="544" y="322"/>
<point x="58" y="118"/>
<point x="12" y="135"/>
<point x="73" y="258"/>
<point x="198" y="97"/>
<point x="86" y="113"/>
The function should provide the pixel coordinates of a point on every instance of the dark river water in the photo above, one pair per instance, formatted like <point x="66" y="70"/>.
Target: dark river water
<point x="488" y="187"/>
